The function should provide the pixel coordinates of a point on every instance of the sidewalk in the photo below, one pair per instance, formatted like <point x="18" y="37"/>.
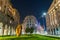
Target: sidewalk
<point x="53" y="35"/>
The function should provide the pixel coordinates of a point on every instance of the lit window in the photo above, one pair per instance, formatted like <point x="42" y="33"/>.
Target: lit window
<point x="54" y="10"/>
<point x="59" y="4"/>
<point x="56" y="7"/>
<point x="0" y="8"/>
<point x="14" y="13"/>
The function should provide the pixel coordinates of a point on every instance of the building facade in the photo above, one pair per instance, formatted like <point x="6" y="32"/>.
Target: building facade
<point x="29" y="21"/>
<point x="53" y="18"/>
<point x="9" y="18"/>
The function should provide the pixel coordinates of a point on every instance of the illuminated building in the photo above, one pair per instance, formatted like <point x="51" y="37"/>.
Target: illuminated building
<point x="53" y="18"/>
<point x="9" y="18"/>
<point x="29" y="21"/>
<point x="40" y="29"/>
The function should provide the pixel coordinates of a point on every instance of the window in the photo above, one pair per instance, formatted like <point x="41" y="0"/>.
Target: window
<point x="27" y="25"/>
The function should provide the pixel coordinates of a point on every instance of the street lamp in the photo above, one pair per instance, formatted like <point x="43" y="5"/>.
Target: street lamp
<point x="43" y="16"/>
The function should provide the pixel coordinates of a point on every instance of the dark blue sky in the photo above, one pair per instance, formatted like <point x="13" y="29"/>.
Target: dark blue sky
<point x="31" y="7"/>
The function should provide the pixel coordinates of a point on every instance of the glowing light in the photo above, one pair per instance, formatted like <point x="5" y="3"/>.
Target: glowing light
<point x="54" y="10"/>
<point x="59" y="4"/>
<point x="0" y="8"/>
<point x="56" y="7"/>
<point x="44" y="14"/>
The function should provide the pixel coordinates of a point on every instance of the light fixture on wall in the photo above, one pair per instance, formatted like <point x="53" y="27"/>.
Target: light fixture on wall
<point x="59" y="5"/>
<point x="0" y="7"/>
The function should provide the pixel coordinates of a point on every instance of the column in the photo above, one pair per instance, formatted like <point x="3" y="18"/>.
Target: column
<point x="50" y="31"/>
<point x="55" y="31"/>
<point x="12" y="31"/>
<point x="58" y="30"/>
<point x="8" y="30"/>
<point x="3" y="29"/>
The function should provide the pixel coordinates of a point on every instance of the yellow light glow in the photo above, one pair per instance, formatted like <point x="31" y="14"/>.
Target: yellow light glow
<point x="18" y="30"/>
<point x="0" y="7"/>
<point x="56" y="7"/>
<point x="59" y="4"/>
<point x="54" y="10"/>
<point x="14" y="12"/>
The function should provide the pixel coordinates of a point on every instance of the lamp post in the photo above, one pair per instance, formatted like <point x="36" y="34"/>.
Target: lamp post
<point x="43" y="16"/>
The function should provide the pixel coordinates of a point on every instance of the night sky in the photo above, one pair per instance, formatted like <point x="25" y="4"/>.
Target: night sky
<point x="31" y="7"/>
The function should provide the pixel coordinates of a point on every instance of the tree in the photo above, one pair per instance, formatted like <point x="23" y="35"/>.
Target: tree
<point x="18" y="30"/>
<point x="29" y="30"/>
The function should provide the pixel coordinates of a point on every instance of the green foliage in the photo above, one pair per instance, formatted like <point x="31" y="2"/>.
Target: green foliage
<point x="30" y="37"/>
<point x="29" y="30"/>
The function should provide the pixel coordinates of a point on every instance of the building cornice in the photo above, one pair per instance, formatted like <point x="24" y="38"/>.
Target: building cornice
<point x="53" y="6"/>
